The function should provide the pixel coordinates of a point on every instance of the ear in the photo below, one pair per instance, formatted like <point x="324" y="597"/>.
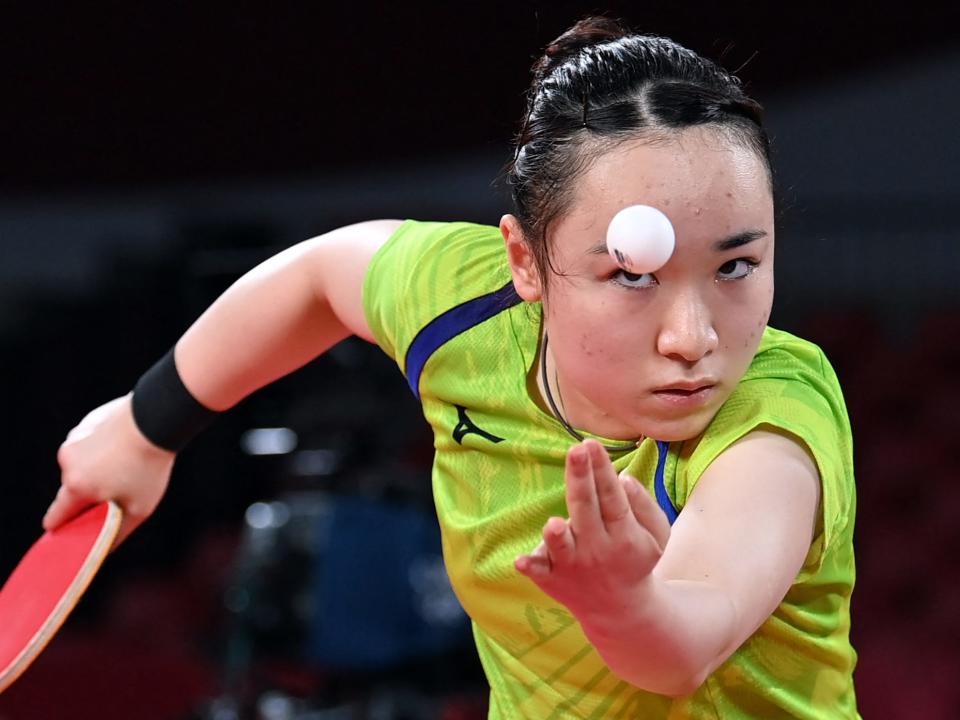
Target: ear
<point x="523" y="268"/>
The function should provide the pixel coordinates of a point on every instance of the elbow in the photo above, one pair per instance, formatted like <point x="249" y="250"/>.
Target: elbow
<point x="674" y="680"/>
<point x="682" y="685"/>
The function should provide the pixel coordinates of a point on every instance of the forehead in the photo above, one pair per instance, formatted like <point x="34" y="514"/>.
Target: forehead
<point x="703" y="180"/>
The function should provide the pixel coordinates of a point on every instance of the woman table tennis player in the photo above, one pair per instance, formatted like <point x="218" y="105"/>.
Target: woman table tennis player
<point x="645" y="493"/>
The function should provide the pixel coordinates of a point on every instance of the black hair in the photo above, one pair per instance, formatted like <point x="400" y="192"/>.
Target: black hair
<point x="599" y="84"/>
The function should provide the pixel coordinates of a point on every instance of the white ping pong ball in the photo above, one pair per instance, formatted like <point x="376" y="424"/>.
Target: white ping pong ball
<point x="640" y="239"/>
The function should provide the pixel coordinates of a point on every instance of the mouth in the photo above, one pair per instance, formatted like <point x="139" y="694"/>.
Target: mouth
<point x="685" y="393"/>
<point x="680" y="391"/>
<point x="686" y="387"/>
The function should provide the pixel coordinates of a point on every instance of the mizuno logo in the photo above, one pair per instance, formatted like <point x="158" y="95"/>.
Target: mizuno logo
<point x="466" y="426"/>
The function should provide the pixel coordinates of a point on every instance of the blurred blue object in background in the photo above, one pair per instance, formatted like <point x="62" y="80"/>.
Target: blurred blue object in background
<point x="381" y="595"/>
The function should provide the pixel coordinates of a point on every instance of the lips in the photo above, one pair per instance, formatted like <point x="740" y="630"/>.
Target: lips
<point x="683" y="396"/>
<point x="686" y="387"/>
<point x="681" y="393"/>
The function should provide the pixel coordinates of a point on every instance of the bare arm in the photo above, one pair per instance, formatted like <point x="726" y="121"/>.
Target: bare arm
<point x="666" y="606"/>
<point x="273" y="320"/>
<point x="281" y="315"/>
<point x="733" y="553"/>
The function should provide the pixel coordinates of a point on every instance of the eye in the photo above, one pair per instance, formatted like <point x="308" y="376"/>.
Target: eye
<point x="633" y="281"/>
<point x="736" y="269"/>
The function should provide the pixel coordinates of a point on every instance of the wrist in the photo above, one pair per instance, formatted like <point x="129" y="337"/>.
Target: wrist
<point x="164" y="411"/>
<point x="137" y="440"/>
<point x="636" y="610"/>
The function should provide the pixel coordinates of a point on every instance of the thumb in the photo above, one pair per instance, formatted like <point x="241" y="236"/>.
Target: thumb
<point x="127" y="526"/>
<point x="536" y="565"/>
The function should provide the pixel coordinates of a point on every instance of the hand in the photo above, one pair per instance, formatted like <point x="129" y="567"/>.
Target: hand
<point x="105" y="457"/>
<point x="598" y="562"/>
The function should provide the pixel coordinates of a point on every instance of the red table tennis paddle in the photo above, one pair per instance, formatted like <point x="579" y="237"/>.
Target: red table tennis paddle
<point x="47" y="583"/>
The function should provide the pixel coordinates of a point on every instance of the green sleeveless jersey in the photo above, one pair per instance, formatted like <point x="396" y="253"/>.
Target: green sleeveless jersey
<point x="439" y="300"/>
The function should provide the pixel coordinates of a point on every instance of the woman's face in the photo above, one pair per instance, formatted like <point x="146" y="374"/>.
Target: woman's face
<point x="656" y="355"/>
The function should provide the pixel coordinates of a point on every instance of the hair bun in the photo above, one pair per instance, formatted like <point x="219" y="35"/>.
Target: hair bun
<point x="588" y="31"/>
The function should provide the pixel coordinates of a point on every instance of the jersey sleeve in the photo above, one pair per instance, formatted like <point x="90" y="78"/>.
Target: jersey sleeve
<point x="790" y="388"/>
<point x="424" y="270"/>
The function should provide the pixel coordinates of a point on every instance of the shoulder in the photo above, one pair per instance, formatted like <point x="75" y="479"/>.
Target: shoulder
<point x="791" y="380"/>
<point x="427" y="269"/>
<point x="790" y="385"/>
<point x="436" y="247"/>
<point x="785" y="356"/>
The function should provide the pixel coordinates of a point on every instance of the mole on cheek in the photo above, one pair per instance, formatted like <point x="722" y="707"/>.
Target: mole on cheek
<point x="585" y="346"/>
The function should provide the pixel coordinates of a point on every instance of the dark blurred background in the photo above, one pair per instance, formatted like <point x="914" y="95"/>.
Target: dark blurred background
<point x="152" y="153"/>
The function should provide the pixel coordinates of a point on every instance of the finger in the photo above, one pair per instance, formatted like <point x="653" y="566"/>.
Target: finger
<point x="536" y="565"/>
<point x="646" y="510"/>
<point x="611" y="497"/>
<point x="127" y="526"/>
<point x="66" y="505"/>
<point x="582" y="494"/>
<point x="76" y="433"/>
<point x="559" y="542"/>
<point x="540" y="550"/>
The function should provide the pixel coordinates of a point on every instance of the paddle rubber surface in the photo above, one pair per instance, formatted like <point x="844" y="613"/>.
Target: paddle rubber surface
<point x="48" y="582"/>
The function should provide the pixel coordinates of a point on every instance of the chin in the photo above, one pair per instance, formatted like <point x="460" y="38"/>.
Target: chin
<point x="676" y="435"/>
<point x="679" y="429"/>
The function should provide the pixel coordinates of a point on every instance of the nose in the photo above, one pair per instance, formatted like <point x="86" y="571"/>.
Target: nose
<point x="686" y="330"/>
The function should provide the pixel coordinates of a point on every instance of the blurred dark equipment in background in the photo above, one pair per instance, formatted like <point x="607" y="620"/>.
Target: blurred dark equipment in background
<point x="353" y="590"/>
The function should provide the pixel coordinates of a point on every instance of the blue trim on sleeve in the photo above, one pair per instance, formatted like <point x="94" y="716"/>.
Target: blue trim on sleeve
<point x="660" y="488"/>
<point x="447" y="326"/>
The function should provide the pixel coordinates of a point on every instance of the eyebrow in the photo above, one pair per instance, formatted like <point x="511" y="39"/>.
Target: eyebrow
<point x="734" y="241"/>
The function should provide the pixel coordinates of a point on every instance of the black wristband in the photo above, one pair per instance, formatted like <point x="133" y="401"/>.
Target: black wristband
<point x="164" y="410"/>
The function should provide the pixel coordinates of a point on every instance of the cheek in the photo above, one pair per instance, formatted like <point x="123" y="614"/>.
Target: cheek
<point x="746" y="326"/>
<point x="591" y="330"/>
